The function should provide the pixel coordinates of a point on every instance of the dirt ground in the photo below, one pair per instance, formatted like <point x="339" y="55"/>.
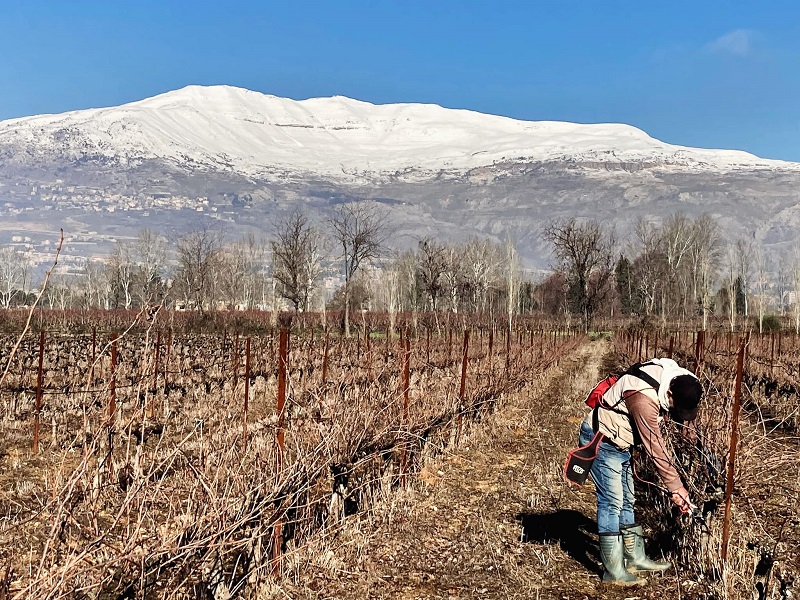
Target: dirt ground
<point x="491" y="519"/>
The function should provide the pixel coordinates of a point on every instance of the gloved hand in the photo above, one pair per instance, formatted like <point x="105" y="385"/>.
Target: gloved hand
<point x="680" y="498"/>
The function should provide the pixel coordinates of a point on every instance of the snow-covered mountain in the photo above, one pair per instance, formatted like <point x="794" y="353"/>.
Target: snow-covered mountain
<point x="232" y="129"/>
<point x="243" y="158"/>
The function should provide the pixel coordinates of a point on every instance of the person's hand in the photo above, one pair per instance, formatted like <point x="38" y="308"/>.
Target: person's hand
<point x="680" y="498"/>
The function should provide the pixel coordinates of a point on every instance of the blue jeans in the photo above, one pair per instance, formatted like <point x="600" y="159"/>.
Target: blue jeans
<point x="613" y="482"/>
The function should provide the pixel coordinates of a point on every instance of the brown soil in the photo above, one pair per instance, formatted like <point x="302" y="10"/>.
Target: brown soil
<point x="491" y="519"/>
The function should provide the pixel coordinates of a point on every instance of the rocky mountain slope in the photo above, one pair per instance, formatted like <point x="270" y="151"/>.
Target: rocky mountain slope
<point x="452" y="173"/>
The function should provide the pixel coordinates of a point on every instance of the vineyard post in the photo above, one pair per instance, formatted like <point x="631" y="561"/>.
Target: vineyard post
<point x="235" y="361"/>
<point x="772" y="352"/>
<point x="428" y="345"/>
<point x="406" y="390"/>
<point x="698" y="349"/>
<point x="166" y="358"/>
<point x="489" y="353"/>
<point x="39" y="382"/>
<point x="283" y="354"/>
<point x="368" y="345"/>
<point x="533" y="347"/>
<point x="737" y="401"/>
<point x="246" y="390"/>
<point x="671" y="346"/>
<point x="151" y="406"/>
<point x="449" y="344"/>
<point x="746" y="349"/>
<point x="112" y="404"/>
<point x="112" y="386"/>
<point x="94" y="352"/>
<point x="325" y="356"/>
<point x="462" y="389"/>
<point x="508" y="352"/>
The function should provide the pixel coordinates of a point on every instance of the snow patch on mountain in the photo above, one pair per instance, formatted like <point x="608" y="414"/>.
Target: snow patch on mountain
<point x="257" y="135"/>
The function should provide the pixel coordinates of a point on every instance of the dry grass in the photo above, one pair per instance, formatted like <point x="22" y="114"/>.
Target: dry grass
<point x="164" y="499"/>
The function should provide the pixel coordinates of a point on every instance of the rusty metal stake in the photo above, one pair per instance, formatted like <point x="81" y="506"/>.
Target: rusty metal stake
<point x="508" y="353"/>
<point x="325" y="357"/>
<point x="151" y="407"/>
<point x="772" y="353"/>
<point x="166" y="359"/>
<point x="699" y="346"/>
<point x="246" y="391"/>
<point x="737" y="402"/>
<point x="39" y="382"/>
<point x="94" y="352"/>
<point x="283" y="355"/>
<point x="406" y="390"/>
<point x="112" y="386"/>
<point x="462" y="389"/>
<point x="235" y="361"/>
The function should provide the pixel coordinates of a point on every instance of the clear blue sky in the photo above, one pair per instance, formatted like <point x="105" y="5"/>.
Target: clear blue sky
<point x="706" y="73"/>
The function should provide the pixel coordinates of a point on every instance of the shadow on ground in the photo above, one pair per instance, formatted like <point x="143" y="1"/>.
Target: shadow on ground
<point x="574" y="532"/>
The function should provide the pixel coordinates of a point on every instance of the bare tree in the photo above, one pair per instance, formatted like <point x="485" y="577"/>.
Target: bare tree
<point x="360" y="230"/>
<point x="296" y="254"/>
<point x="96" y="285"/>
<point x="59" y="294"/>
<point x="650" y="266"/>
<point x="150" y="258"/>
<point x="122" y="273"/>
<point x="12" y="275"/>
<point x="742" y="253"/>
<point x="733" y="283"/>
<point x="584" y="252"/>
<point x="455" y="276"/>
<point x="783" y="281"/>
<point x="241" y="272"/>
<point x="677" y="234"/>
<point x="481" y="261"/>
<point x="198" y="255"/>
<point x="705" y="255"/>
<point x="762" y="284"/>
<point x="431" y="267"/>
<point x="386" y="291"/>
<point x="513" y="280"/>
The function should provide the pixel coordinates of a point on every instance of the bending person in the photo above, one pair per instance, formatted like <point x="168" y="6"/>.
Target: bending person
<point x="628" y="415"/>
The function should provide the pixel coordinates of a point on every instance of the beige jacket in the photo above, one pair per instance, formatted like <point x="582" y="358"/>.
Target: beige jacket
<point x="636" y="404"/>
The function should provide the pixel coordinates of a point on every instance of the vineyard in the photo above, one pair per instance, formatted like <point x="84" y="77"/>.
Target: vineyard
<point x="143" y="456"/>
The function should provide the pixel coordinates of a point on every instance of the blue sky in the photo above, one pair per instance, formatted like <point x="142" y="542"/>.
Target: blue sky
<point x="714" y="74"/>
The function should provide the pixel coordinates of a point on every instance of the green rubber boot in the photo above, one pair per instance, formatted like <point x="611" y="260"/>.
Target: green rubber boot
<point x="611" y="553"/>
<point x="636" y="561"/>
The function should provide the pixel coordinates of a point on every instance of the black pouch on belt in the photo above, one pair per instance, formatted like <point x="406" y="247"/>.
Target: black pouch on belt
<point x="579" y="461"/>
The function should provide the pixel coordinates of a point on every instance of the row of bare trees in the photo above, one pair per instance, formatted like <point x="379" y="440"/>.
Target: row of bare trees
<point x="203" y="271"/>
<point x="678" y="269"/>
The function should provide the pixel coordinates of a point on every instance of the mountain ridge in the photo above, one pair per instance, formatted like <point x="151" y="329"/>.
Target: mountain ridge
<point x="239" y="130"/>
<point x="244" y="159"/>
